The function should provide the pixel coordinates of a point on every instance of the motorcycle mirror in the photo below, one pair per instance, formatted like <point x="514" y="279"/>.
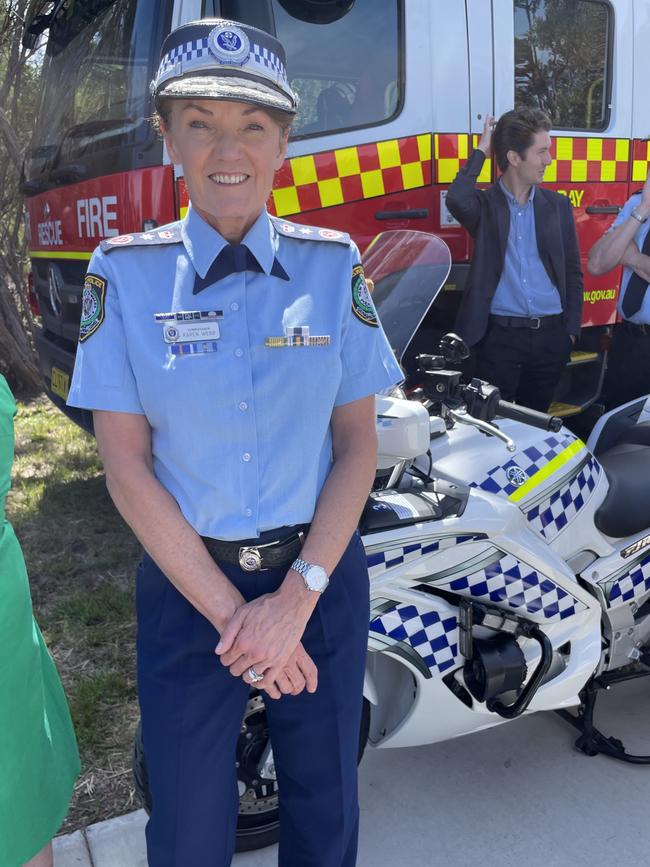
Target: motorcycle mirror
<point x="453" y="348"/>
<point x="317" y="11"/>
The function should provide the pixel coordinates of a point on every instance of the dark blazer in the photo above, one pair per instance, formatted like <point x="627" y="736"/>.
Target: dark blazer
<point x="486" y="216"/>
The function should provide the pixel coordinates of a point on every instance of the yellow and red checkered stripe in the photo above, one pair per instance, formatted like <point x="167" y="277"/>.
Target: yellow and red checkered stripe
<point x="574" y="159"/>
<point x="346" y="175"/>
<point x="451" y="152"/>
<point x="640" y="160"/>
<point x="588" y="159"/>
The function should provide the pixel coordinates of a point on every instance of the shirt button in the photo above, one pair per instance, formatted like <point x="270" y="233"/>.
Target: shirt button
<point x="246" y="457"/>
<point x="248" y="512"/>
<point x="239" y="352"/>
<point x="234" y="306"/>
<point x="243" y="406"/>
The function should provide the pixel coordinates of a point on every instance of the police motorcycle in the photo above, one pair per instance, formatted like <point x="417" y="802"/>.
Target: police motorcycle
<point x="509" y="562"/>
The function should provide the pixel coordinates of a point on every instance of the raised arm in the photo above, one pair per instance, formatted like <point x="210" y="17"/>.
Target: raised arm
<point x="463" y="199"/>
<point x="611" y="249"/>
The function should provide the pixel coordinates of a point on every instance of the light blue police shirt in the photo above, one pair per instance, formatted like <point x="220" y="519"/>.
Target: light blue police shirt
<point x="240" y="436"/>
<point x="524" y="288"/>
<point x="642" y="316"/>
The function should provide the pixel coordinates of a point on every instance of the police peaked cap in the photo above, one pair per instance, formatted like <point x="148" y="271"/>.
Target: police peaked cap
<point x="219" y="59"/>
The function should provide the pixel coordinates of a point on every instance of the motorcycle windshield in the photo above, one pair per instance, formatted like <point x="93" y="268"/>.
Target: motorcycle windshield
<point x="408" y="270"/>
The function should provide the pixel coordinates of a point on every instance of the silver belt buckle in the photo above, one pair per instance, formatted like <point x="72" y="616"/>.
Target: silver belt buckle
<point x="536" y="319"/>
<point x="250" y="559"/>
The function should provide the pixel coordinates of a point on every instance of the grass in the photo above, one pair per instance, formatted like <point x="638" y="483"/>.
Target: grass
<point x="81" y="559"/>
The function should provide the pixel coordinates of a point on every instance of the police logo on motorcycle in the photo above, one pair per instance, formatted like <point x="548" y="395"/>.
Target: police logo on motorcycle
<point x="516" y="476"/>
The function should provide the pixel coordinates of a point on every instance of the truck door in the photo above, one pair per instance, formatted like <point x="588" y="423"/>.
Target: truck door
<point x="360" y="153"/>
<point x="640" y="101"/>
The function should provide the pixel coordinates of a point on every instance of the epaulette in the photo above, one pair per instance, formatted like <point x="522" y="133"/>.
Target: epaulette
<point x="309" y="233"/>
<point x="170" y="234"/>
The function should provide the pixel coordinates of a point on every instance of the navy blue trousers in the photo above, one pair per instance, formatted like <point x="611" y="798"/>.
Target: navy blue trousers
<point x="192" y="710"/>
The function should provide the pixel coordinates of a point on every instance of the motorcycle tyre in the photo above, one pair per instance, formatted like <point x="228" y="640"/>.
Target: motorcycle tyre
<point x="250" y="835"/>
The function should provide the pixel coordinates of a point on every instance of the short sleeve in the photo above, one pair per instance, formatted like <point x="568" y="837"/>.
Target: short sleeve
<point x="368" y="363"/>
<point x="625" y="212"/>
<point x="103" y="377"/>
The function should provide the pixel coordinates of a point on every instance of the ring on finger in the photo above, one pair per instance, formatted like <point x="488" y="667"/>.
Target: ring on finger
<point x="254" y="676"/>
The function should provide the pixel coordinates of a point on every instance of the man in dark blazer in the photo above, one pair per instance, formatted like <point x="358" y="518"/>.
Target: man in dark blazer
<point x="522" y="303"/>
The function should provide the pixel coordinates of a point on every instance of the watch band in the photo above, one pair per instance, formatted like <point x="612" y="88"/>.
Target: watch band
<point x="637" y="216"/>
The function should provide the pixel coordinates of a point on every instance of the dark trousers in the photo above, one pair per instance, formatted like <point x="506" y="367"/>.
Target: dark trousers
<point x="525" y="363"/>
<point x="628" y="365"/>
<point x="192" y="710"/>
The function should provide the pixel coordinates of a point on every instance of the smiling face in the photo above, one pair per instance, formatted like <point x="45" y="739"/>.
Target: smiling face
<point x="530" y="167"/>
<point x="230" y="152"/>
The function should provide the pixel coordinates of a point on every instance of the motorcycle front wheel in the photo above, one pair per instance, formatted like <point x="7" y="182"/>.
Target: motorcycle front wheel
<point x="258" y="822"/>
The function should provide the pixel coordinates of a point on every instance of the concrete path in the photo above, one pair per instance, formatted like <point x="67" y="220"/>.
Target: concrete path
<point x="516" y="795"/>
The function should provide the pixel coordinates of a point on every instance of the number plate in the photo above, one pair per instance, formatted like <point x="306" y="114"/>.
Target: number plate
<point x="60" y="383"/>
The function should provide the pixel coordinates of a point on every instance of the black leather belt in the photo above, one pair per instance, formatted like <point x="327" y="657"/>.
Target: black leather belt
<point x="643" y="330"/>
<point x="534" y="322"/>
<point x="272" y="550"/>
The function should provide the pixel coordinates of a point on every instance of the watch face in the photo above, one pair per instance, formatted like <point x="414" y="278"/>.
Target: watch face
<point x="316" y="578"/>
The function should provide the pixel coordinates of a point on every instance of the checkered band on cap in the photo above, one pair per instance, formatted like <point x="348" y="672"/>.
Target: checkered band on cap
<point x="193" y="50"/>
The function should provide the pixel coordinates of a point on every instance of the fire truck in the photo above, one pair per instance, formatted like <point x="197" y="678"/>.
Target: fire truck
<point x="393" y="98"/>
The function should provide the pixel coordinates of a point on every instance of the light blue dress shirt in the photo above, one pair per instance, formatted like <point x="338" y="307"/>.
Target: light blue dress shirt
<point x="524" y="289"/>
<point x="642" y="316"/>
<point x="241" y="435"/>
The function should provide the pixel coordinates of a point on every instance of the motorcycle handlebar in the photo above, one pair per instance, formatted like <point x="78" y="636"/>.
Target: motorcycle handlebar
<point x="529" y="416"/>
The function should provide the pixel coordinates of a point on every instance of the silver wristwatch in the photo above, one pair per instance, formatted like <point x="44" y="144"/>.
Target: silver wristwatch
<point x="637" y="216"/>
<point x="315" y="577"/>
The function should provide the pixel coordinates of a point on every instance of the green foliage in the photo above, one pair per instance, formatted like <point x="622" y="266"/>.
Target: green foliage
<point x="560" y="60"/>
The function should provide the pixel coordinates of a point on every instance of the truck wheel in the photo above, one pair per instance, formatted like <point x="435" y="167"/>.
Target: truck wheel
<point x="258" y="822"/>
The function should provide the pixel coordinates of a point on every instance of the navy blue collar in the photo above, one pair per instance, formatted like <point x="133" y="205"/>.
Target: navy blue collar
<point x="231" y="259"/>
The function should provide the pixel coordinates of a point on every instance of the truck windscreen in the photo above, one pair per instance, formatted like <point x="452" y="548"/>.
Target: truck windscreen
<point x="95" y="101"/>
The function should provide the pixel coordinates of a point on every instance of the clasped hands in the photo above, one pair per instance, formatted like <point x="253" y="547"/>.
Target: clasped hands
<point x="265" y="634"/>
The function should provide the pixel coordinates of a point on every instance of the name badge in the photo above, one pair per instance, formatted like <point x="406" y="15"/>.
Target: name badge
<point x="188" y="315"/>
<point x="191" y="332"/>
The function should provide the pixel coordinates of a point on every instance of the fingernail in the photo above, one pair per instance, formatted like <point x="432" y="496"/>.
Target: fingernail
<point x="219" y="648"/>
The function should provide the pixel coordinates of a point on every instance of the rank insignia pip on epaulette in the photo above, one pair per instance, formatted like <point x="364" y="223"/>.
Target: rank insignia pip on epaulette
<point x="153" y="238"/>
<point x="362" y="305"/>
<point x="309" y="233"/>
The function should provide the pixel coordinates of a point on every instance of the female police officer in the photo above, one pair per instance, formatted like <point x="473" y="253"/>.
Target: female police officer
<point x="231" y="361"/>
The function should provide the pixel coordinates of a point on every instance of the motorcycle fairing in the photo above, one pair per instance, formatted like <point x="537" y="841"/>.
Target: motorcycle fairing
<point x="553" y="478"/>
<point x="428" y="639"/>
<point x="512" y="583"/>
<point x="629" y="583"/>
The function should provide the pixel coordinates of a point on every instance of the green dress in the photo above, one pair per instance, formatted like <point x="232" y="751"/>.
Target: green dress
<point x="39" y="761"/>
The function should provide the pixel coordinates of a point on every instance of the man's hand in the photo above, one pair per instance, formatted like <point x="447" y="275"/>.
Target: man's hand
<point x="636" y="260"/>
<point x="644" y="206"/>
<point x="265" y="633"/>
<point x="485" y="142"/>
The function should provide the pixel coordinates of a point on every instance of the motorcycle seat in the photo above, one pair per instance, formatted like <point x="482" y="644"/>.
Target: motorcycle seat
<point x="638" y="433"/>
<point x="626" y="508"/>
